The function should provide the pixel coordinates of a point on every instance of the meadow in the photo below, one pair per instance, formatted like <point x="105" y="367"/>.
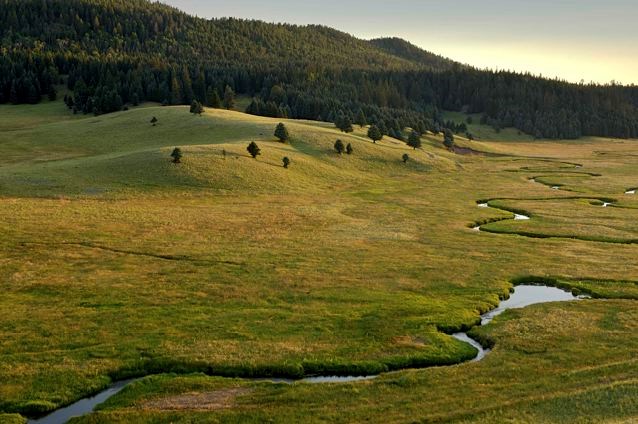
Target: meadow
<point x="116" y="262"/>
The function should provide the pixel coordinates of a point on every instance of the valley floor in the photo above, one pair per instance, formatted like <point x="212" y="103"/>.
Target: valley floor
<point x="115" y="263"/>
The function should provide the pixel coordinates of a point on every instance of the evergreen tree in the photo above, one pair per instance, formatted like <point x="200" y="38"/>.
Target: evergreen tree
<point x="281" y="132"/>
<point x="374" y="133"/>
<point x="177" y="155"/>
<point x="286" y="162"/>
<point x="361" y="119"/>
<point x="406" y="158"/>
<point x="339" y="146"/>
<point x="229" y="98"/>
<point x="154" y="121"/>
<point x="448" y="140"/>
<point x="349" y="149"/>
<point x="212" y="98"/>
<point x="196" y="108"/>
<point x="253" y="149"/>
<point x="414" y="140"/>
<point x="52" y="94"/>
<point x="344" y="124"/>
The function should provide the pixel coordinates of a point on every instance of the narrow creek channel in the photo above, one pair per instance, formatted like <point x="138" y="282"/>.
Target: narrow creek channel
<point x="524" y="295"/>
<point x="517" y="216"/>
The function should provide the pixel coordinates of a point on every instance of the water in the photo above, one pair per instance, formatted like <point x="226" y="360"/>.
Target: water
<point x="482" y="352"/>
<point x="630" y="192"/>
<point x="328" y="379"/>
<point x="81" y="407"/>
<point x="528" y="295"/>
<point x="317" y="379"/>
<point x="517" y="216"/>
<point x="523" y="296"/>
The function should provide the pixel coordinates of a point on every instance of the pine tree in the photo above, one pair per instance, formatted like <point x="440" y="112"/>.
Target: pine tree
<point x="177" y="155"/>
<point x="414" y="140"/>
<point x="339" y="146"/>
<point x="406" y="158"/>
<point x="52" y="94"/>
<point x="212" y="98"/>
<point x="281" y="132"/>
<point x="196" y="108"/>
<point x="253" y="149"/>
<point x="286" y="162"/>
<point x="229" y="98"/>
<point x="154" y="121"/>
<point x="374" y="133"/>
<point x="344" y="124"/>
<point x="448" y="140"/>
<point x="349" y="149"/>
<point x="361" y="119"/>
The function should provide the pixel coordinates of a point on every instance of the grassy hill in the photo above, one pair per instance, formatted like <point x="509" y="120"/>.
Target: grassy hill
<point x="57" y="154"/>
<point x="117" y="262"/>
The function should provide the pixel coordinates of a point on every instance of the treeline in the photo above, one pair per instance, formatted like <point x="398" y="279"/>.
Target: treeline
<point x="115" y="52"/>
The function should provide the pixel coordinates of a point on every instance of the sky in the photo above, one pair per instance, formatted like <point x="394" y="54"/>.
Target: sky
<point x="590" y="40"/>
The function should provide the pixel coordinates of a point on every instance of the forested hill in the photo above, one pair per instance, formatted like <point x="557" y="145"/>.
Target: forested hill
<point x="406" y="50"/>
<point x="126" y="51"/>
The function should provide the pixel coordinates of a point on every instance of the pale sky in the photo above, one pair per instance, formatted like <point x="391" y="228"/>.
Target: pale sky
<point x="572" y="39"/>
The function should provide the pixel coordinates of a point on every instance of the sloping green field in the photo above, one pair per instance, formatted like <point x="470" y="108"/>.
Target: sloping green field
<point x="116" y="262"/>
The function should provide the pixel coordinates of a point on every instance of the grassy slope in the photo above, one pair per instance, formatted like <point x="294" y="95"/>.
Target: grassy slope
<point x="116" y="259"/>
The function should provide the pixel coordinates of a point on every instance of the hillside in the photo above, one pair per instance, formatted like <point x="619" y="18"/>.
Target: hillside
<point x="401" y="48"/>
<point x="118" y="52"/>
<point x="118" y="263"/>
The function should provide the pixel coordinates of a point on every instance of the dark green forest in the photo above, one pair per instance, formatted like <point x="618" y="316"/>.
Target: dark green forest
<point x="115" y="52"/>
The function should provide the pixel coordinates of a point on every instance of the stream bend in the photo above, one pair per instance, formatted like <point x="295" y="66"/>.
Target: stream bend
<point x="522" y="296"/>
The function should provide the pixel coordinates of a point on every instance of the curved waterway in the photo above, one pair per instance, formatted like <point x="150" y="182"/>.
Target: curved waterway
<point x="522" y="296"/>
<point x="517" y="216"/>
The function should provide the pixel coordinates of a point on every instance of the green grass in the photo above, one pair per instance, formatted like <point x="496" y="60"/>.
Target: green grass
<point x="485" y="132"/>
<point x="116" y="262"/>
<point x="531" y="376"/>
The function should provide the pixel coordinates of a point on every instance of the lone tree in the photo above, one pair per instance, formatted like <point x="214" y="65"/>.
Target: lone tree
<point x="286" y="162"/>
<point x="414" y="140"/>
<point x="281" y="132"/>
<point x="177" y="155"/>
<point x="448" y="140"/>
<point x="253" y="149"/>
<point x="339" y="146"/>
<point x="406" y="158"/>
<point x="197" y="108"/>
<point x="349" y="149"/>
<point x="374" y="133"/>
<point x="154" y="121"/>
<point x="229" y="98"/>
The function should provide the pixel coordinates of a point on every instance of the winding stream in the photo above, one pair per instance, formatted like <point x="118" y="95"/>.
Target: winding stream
<point x="522" y="296"/>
